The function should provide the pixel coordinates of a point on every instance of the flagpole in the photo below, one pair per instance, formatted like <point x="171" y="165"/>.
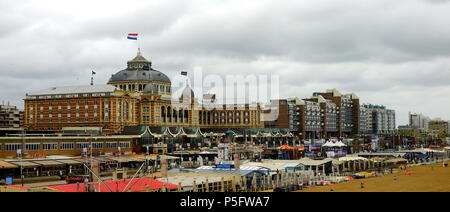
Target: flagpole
<point x="139" y="43"/>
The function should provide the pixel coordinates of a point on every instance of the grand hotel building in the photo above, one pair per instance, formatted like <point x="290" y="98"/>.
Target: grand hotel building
<point x="136" y="96"/>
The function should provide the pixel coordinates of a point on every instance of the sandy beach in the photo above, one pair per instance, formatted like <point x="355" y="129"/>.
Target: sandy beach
<point x="426" y="178"/>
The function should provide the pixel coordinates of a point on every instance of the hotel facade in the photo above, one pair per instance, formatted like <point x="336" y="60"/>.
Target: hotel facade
<point x="136" y="96"/>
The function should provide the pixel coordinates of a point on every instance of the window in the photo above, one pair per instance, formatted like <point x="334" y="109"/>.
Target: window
<point x="66" y="146"/>
<point x="31" y="147"/>
<point x="82" y="145"/>
<point x="50" y="146"/>
<point x="97" y="145"/>
<point x="118" y="112"/>
<point x="124" y="144"/>
<point x="12" y="147"/>
<point x="106" y="111"/>
<point x="111" y="145"/>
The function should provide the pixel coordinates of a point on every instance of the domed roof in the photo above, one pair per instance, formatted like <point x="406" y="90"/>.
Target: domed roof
<point x="187" y="93"/>
<point x="139" y="69"/>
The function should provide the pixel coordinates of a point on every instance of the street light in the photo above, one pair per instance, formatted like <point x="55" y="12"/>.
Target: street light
<point x="19" y="153"/>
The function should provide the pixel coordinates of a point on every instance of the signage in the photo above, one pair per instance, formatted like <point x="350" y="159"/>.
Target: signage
<point x="9" y="180"/>
<point x="224" y="166"/>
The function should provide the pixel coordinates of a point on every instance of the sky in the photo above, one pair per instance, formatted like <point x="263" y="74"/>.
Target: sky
<point x="393" y="53"/>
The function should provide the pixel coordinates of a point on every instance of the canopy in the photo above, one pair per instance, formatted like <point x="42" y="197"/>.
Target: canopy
<point x="328" y="144"/>
<point x="428" y="150"/>
<point x="378" y="159"/>
<point x="5" y="165"/>
<point x="333" y="143"/>
<point x="421" y="156"/>
<point x="352" y="158"/>
<point x="285" y="147"/>
<point x="396" y="160"/>
<point x="339" y="143"/>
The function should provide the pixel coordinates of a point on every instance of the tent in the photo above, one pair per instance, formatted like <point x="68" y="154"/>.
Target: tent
<point x="333" y="143"/>
<point x="397" y="160"/>
<point x="340" y="144"/>
<point x="377" y="159"/>
<point x="422" y="156"/>
<point x="285" y="147"/>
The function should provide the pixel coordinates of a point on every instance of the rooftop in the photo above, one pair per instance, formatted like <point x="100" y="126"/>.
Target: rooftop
<point x="137" y="184"/>
<point x="75" y="90"/>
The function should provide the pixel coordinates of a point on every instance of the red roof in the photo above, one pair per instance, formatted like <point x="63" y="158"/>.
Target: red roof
<point x="285" y="147"/>
<point x="17" y="186"/>
<point x="118" y="185"/>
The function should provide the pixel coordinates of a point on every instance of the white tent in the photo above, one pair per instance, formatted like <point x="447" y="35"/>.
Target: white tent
<point x="340" y="144"/>
<point x="329" y="144"/>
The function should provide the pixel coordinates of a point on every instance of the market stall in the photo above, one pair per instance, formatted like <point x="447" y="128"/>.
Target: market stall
<point x="396" y="162"/>
<point x="354" y="163"/>
<point x="334" y="149"/>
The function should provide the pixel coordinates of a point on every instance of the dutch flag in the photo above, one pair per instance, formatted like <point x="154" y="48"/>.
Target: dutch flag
<point x="132" y="36"/>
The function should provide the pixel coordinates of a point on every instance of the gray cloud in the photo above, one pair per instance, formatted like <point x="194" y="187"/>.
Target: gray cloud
<point x="388" y="52"/>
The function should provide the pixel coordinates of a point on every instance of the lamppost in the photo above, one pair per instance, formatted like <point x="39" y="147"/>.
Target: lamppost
<point x="19" y="153"/>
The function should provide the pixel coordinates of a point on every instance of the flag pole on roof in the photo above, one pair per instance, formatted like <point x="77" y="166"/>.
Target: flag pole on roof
<point x="92" y="77"/>
<point x="134" y="36"/>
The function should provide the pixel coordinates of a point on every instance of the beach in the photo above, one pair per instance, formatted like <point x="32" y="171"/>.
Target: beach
<point x="424" y="178"/>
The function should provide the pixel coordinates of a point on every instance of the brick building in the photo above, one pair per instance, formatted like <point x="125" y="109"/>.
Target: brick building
<point x="136" y="96"/>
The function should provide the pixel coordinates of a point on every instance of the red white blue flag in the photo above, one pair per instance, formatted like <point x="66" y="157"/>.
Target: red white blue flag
<point x="132" y="36"/>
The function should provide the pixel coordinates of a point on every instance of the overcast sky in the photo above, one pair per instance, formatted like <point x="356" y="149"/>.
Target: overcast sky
<point x="394" y="53"/>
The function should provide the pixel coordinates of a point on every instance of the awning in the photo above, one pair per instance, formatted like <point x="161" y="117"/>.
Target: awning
<point x="6" y="165"/>
<point x="396" y="160"/>
<point x="352" y="158"/>
<point x="48" y="163"/>
<point x="126" y="159"/>
<point x="377" y="159"/>
<point x="70" y="162"/>
<point x="105" y="160"/>
<point x="25" y="164"/>
<point x="285" y="147"/>
<point x="87" y="160"/>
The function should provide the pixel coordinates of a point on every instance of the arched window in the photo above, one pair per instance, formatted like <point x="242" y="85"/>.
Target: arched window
<point x="186" y="116"/>
<point x="175" y="120"/>
<point x="180" y="115"/>
<point x="163" y="114"/>
<point x="169" y="114"/>
<point x="208" y="118"/>
<point x="200" y="117"/>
